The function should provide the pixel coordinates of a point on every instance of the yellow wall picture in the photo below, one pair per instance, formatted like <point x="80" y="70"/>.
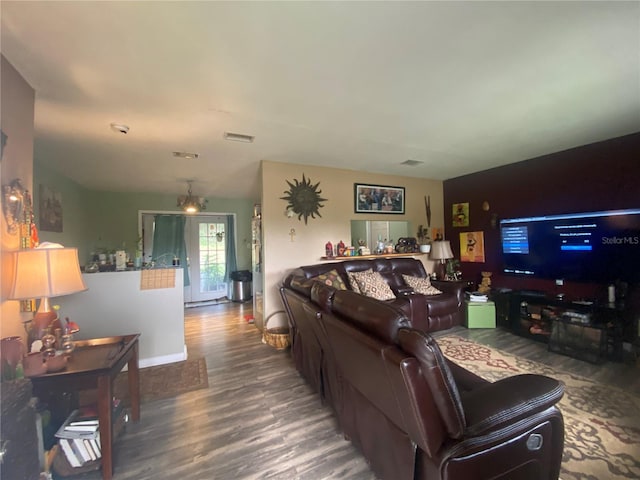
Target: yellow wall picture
<point x="472" y="247"/>
<point x="460" y="214"/>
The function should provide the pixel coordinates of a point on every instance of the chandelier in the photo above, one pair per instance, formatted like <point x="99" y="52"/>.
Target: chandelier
<point x="191" y="203"/>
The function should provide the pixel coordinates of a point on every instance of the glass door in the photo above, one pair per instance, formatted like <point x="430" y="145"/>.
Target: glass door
<point x="206" y="245"/>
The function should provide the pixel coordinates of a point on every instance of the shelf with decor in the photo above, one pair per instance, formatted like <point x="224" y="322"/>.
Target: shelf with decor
<point x="364" y="257"/>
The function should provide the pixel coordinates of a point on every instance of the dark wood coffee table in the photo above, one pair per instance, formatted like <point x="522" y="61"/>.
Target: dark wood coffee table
<point x="93" y="365"/>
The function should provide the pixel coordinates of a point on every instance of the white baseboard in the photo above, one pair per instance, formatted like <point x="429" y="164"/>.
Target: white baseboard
<point x="161" y="360"/>
<point x="164" y="359"/>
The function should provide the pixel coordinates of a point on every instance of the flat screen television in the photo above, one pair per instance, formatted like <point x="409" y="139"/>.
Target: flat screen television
<point x="597" y="247"/>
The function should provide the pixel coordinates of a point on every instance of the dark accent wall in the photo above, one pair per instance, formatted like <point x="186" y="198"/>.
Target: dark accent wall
<point x="599" y="176"/>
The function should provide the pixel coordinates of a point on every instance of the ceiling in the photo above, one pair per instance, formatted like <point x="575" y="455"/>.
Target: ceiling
<point x="460" y="86"/>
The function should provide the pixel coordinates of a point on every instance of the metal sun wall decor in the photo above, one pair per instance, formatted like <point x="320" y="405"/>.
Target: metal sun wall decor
<point x="304" y="198"/>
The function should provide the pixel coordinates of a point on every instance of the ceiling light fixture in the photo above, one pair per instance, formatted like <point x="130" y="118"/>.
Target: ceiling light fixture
<point x="412" y="163"/>
<point x="120" y="128"/>
<point x="191" y="203"/>
<point x="238" y="137"/>
<point x="185" y="155"/>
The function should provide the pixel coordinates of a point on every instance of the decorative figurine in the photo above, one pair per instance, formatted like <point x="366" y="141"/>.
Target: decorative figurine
<point x="328" y="248"/>
<point x="485" y="284"/>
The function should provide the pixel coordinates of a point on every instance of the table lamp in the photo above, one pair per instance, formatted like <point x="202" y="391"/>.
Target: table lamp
<point x="441" y="250"/>
<point x="50" y="270"/>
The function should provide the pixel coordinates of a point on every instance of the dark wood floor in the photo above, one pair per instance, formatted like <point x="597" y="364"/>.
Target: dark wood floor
<point x="259" y="420"/>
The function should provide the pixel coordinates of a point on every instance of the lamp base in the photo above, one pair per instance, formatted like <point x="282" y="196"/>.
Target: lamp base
<point x="441" y="271"/>
<point x="41" y="323"/>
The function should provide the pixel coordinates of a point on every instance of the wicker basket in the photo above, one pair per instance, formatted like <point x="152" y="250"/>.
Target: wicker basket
<point x="277" y="337"/>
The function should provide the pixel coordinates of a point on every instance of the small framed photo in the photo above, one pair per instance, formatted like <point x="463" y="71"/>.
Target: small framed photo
<point x="378" y="199"/>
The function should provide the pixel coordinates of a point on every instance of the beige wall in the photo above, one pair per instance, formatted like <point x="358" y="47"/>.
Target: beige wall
<point x="17" y="101"/>
<point x="282" y="255"/>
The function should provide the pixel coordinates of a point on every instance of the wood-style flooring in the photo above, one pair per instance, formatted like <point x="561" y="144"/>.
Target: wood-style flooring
<point x="259" y="420"/>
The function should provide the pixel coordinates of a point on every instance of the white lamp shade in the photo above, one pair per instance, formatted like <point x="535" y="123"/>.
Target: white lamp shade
<point x="45" y="273"/>
<point x="441" y="250"/>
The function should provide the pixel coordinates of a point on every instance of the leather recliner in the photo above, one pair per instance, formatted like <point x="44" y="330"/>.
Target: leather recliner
<point x="303" y="301"/>
<point x="416" y="415"/>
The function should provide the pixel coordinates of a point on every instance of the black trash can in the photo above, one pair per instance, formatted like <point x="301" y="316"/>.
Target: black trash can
<point x="240" y="285"/>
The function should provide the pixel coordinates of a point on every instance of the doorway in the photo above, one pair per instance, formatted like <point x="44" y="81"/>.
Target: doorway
<point x="206" y="249"/>
<point x="209" y="240"/>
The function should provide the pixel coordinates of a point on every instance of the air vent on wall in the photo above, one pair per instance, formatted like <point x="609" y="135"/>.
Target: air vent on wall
<point x="411" y="163"/>
<point x="238" y="137"/>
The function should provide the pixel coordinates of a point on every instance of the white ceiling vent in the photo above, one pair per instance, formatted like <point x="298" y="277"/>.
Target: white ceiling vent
<point x="238" y="137"/>
<point x="412" y="163"/>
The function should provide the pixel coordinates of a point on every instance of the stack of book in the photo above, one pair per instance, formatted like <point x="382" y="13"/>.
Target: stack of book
<point x="79" y="439"/>
<point x="477" y="297"/>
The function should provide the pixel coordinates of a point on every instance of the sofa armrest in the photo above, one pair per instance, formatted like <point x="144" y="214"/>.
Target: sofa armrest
<point x="508" y="400"/>
<point x="418" y="310"/>
<point x="402" y="291"/>
<point x="457" y="288"/>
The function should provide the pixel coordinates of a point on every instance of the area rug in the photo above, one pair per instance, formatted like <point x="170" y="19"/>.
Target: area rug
<point x="602" y="423"/>
<point x="165" y="381"/>
<point x="162" y="381"/>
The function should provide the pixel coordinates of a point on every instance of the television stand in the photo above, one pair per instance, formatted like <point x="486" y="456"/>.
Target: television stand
<point x="583" y="330"/>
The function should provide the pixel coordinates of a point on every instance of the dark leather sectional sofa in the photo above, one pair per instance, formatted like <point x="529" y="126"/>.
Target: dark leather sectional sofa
<point x="413" y="413"/>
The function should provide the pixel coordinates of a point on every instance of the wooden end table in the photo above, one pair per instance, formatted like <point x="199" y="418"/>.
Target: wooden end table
<point x="94" y="364"/>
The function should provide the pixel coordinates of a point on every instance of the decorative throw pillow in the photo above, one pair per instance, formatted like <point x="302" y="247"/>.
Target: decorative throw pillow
<point x="301" y="283"/>
<point x="353" y="282"/>
<point x="331" y="278"/>
<point x="373" y="285"/>
<point x="421" y="285"/>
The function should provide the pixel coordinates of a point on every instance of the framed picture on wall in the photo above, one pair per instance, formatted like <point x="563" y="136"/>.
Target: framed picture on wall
<point x="378" y="199"/>
<point x="472" y="247"/>
<point x="50" y="209"/>
<point x="460" y="214"/>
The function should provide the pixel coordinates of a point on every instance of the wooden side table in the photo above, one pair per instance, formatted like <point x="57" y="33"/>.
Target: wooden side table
<point x="94" y="364"/>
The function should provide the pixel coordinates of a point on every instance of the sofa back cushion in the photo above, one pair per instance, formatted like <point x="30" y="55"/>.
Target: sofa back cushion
<point x="375" y="318"/>
<point x="391" y="269"/>
<point x="436" y="372"/>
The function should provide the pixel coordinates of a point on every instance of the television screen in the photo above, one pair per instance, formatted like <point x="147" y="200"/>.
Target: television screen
<point x="589" y="247"/>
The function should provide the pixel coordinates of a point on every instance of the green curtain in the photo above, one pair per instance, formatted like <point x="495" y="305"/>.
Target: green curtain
<point x="232" y="263"/>
<point x="168" y="242"/>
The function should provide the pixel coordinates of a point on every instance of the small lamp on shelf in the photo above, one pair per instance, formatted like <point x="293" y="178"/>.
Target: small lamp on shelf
<point x="441" y="251"/>
<point x="50" y="270"/>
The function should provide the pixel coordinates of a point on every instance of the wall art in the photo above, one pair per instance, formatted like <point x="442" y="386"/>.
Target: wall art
<point x="378" y="199"/>
<point x="50" y="209"/>
<point x="472" y="247"/>
<point x="304" y="198"/>
<point x="460" y="214"/>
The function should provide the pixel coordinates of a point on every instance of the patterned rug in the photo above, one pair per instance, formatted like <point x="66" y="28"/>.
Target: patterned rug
<point x="162" y="381"/>
<point x="168" y="380"/>
<point x="602" y="423"/>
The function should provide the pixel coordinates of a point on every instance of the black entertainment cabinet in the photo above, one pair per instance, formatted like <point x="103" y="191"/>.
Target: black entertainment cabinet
<point x="584" y="330"/>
